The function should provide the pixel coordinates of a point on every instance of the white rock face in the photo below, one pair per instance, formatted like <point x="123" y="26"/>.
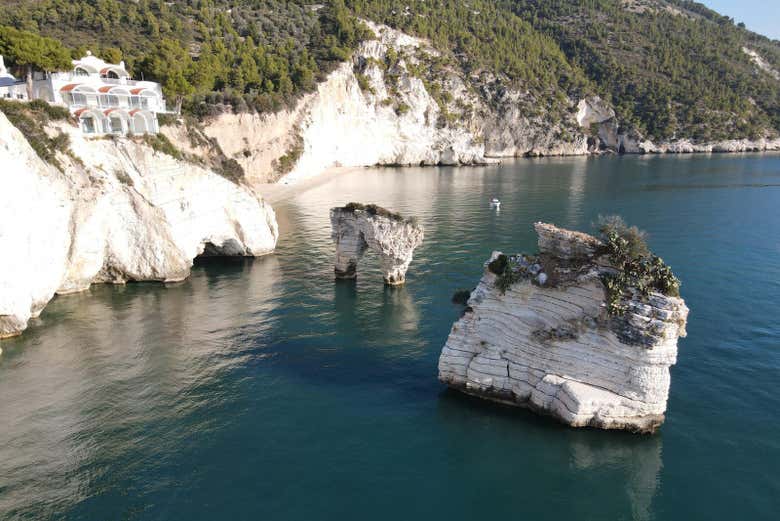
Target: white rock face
<point x="511" y="131"/>
<point x="552" y="347"/>
<point x="761" y="63"/>
<point x="343" y="125"/>
<point x="355" y="231"/>
<point x="126" y="213"/>
<point x="593" y="110"/>
<point x="395" y="120"/>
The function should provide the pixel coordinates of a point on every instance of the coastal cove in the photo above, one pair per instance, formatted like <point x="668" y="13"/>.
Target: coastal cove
<point x="266" y="389"/>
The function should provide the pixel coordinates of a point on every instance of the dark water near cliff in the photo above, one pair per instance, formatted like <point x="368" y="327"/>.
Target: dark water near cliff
<point x="265" y="390"/>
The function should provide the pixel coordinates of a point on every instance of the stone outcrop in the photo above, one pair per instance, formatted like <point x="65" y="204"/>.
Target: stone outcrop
<point x="593" y="110"/>
<point x="761" y="63"/>
<point x="549" y="343"/>
<point x="120" y="212"/>
<point x="354" y="230"/>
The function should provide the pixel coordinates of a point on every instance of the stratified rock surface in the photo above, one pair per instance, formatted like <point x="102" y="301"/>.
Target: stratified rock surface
<point x="549" y="344"/>
<point x="394" y="240"/>
<point x="121" y="212"/>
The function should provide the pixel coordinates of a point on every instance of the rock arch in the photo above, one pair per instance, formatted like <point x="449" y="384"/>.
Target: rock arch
<point x="356" y="228"/>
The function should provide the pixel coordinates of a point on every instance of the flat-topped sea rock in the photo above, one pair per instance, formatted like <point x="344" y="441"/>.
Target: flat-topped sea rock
<point x="564" y="333"/>
<point x="358" y="227"/>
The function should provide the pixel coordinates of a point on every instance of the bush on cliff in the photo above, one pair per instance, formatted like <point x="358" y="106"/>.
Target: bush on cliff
<point x="503" y="267"/>
<point x="31" y="119"/>
<point x="160" y="143"/>
<point x="636" y="268"/>
<point x="376" y="210"/>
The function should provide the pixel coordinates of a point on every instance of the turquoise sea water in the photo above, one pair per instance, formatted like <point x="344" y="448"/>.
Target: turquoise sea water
<point x="266" y="390"/>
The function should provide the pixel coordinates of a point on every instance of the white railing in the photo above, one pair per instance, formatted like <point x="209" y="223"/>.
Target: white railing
<point x="96" y="79"/>
<point x="135" y="102"/>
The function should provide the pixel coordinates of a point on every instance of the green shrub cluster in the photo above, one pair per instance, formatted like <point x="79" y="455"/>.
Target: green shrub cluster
<point x="364" y="83"/>
<point x="636" y="267"/>
<point x="373" y="209"/>
<point x="286" y="163"/>
<point x="506" y="272"/>
<point x="353" y="207"/>
<point x="30" y="119"/>
<point x="160" y="143"/>
<point x="230" y="169"/>
<point x="53" y="112"/>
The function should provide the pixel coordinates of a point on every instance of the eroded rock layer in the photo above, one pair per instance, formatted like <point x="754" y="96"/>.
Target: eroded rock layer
<point x="549" y="344"/>
<point x="393" y="239"/>
<point x="120" y="212"/>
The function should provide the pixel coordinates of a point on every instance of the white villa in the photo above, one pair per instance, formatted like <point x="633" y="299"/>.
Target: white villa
<point x="10" y="87"/>
<point x="102" y="97"/>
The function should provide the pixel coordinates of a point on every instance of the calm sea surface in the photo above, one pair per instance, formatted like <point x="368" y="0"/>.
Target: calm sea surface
<point x="266" y="390"/>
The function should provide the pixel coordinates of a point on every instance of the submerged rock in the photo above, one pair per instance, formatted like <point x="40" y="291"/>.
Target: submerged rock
<point x="357" y="228"/>
<point x="551" y="344"/>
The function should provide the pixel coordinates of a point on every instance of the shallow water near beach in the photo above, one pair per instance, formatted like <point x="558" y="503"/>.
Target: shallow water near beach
<point x="266" y="390"/>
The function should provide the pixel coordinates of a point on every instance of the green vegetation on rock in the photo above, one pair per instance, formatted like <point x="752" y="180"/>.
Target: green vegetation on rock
<point x="31" y="119"/>
<point x="286" y="162"/>
<point x="506" y="272"/>
<point x="670" y="68"/>
<point x="635" y="267"/>
<point x="376" y="210"/>
<point x="160" y="143"/>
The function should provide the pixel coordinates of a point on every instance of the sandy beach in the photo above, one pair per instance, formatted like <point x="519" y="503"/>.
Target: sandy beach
<point x="274" y="193"/>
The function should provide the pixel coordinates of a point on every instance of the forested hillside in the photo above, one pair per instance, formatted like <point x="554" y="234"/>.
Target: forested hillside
<point x="256" y="54"/>
<point x="670" y="68"/>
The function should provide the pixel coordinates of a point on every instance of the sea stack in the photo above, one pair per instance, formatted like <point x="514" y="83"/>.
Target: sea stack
<point x="357" y="227"/>
<point x="585" y="331"/>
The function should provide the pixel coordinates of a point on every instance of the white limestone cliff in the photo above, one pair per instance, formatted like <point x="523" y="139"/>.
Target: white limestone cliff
<point x="761" y="63"/>
<point x="354" y="230"/>
<point x="512" y="130"/>
<point x="391" y="120"/>
<point x="593" y="111"/>
<point x="119" y="213"/>
<point x="382" y="108"/>
<point x="549" y="344"/>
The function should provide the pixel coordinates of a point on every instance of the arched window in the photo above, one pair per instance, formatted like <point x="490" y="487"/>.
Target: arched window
<point x="116" y="124"/>
<point x="88" y="125"/>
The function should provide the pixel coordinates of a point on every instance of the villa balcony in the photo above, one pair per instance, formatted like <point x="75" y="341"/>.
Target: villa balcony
<point x="134" y="102"/>
<point x="71" y="76"/>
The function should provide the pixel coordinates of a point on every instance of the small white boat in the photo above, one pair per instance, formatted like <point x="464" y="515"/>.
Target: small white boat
<point x="495" y="203"/>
